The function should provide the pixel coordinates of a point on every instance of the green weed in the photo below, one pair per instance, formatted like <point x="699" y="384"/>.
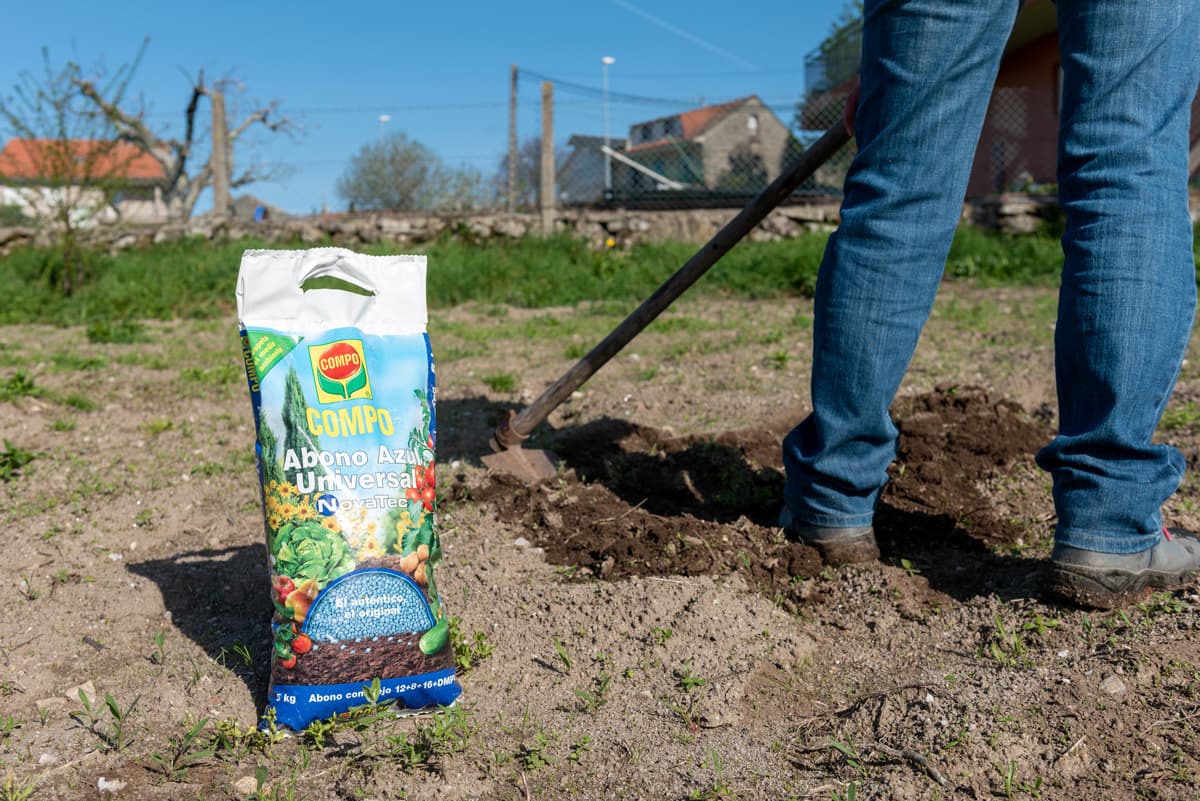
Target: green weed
<point x="560" y="650"/>
<point x="115" y="731"/>
<point x="597" y="695"/>
<point x="183" y="752"/>
<point x="15" y="789"/>
<point x="719" y="788"/>
<point x="19" y="385"/>
<point x="12" y="460"/>
<point x="688" y="681"/>
<point x="468" y="651"/>
<point x="500" y="382"/>
<point x="447" y="731"/>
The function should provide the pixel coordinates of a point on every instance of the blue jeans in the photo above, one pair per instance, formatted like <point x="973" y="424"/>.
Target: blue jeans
<point x="1129" y="72"/>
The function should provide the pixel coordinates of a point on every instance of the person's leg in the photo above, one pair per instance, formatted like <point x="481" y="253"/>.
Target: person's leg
<point x="1130" y="71"/>
<point x="928" y="70"/>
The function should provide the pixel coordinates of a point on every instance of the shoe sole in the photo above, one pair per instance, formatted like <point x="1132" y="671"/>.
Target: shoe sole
<point x="1110" y="589"/>
<point x="846" y="551"/>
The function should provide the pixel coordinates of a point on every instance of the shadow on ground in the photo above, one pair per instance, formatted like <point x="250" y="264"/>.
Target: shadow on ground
<point x="219" y="599"/>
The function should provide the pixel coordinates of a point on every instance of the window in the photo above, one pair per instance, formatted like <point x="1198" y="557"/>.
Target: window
<point x="752" y="125"/>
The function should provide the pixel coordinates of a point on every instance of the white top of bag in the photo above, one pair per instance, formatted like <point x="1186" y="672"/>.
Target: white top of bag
<point x="269" y="293"/>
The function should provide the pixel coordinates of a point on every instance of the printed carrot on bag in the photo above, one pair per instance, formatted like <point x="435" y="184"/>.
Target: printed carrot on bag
<point x="342" y="386"/>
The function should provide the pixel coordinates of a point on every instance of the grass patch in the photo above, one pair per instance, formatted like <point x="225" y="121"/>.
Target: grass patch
<point x="117" y="332"/>
<point x="1183" y="417"/>
<point x="73" y="362"/>
<point x="195" y="278"/>
<point x="500" y="382"/>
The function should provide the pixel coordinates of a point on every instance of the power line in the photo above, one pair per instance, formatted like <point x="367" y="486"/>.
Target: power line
<point x="613" y="97"/>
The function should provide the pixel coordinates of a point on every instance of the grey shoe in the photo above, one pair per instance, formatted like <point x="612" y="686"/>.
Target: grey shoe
<point x="1108" y="580"/>
<point x="837" y="546"/>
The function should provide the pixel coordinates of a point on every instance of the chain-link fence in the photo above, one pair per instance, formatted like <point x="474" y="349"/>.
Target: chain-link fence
<point x="724" y="154"/>
<point x="664" y="154"/>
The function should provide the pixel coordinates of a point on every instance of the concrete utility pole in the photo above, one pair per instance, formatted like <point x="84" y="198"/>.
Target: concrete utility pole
<point x="220" y="155"/>
<point x="606" y="62"/>
<point x="547" y="193"/>
<point x="512" y="141"/>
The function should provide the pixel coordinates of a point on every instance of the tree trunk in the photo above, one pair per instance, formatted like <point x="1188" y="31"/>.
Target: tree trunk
<point x="220" y="155"/>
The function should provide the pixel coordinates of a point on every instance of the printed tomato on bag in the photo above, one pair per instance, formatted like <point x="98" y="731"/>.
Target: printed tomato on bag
<point x="342" y="386"/>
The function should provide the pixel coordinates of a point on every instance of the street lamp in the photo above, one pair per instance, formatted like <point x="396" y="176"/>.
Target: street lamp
<point x="606" y="61"/>
<point x="384" y="119"/>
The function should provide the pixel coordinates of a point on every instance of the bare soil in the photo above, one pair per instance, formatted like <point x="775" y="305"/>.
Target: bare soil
<point x="638" y="627"/>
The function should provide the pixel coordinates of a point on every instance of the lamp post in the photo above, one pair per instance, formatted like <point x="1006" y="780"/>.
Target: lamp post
<point x="384" y="119"/>
<point x="605" y="62"/>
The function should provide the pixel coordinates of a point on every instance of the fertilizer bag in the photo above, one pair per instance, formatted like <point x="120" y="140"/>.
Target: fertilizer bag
<point x="342" y="387"/>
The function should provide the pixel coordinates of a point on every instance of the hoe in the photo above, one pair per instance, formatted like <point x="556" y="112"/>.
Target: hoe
<point x="535" y="465"/>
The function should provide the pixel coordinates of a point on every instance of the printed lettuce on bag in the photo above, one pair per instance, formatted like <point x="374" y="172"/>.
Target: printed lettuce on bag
<point x="342" y="387"/>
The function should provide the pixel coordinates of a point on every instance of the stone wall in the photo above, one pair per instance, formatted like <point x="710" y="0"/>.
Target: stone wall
<point x="617" y="228"/>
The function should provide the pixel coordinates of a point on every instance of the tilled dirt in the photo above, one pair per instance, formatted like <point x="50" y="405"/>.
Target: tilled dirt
<point x="637" y="628"/>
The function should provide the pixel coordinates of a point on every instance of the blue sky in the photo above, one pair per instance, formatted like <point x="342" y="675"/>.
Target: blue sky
<point x="440" y="70"/>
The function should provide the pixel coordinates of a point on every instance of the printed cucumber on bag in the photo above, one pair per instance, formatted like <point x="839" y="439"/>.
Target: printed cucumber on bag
<point x="343" y="397"/>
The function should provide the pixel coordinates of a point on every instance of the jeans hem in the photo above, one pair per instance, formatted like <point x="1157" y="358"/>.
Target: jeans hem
<point x="830" y="521"/>
<point x="1106" y="542"/>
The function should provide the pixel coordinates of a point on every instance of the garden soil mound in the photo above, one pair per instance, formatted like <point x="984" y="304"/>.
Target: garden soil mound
<point x="639" y="502"/>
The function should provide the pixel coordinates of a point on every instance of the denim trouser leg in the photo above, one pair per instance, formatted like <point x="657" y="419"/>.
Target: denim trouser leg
<point x="928" y="70"/>
<point x="1130" y="71"/>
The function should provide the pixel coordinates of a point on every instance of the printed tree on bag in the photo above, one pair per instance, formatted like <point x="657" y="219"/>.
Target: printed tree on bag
<point x="296" y="434"/>
<point x="272" y="465"/>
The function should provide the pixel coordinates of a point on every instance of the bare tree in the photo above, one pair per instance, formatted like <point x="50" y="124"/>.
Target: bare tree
<point x="178" y="156"/>
<point x="528" y="186"/>
<point x="64" y="162"/>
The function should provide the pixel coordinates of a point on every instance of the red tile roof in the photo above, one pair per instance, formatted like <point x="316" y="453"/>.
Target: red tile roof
<point x="29" y="159"/>
<point x="694" y="122"/>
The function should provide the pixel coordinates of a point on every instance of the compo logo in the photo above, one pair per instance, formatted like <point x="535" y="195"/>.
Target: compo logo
<point x="340" y="371"/>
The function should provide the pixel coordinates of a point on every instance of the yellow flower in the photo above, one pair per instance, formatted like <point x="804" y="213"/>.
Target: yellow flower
<point x="369" y="549"/>
<point x="287" y="511"/>
<point x="274" y="522"/>
<point x="306" y="513"/>
<point x="332" y="524"/>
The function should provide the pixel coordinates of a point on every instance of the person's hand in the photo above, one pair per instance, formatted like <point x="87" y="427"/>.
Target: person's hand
<point x="851" y="106"/>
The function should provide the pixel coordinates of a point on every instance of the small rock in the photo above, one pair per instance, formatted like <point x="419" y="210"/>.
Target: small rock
<point x="521" y="542"/>
<point x="109" y="785"/>
<point x="247" y="785"/>
<point x="47" y="759"/>
<point x="1113" y="686"/>
<point x="49" y="704"/>
<point x="87" y="687"/>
